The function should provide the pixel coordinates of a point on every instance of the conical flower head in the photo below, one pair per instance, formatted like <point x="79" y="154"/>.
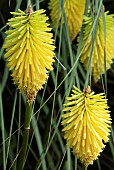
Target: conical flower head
<point x="87" y="124"/>
<point x="29" y="50"/>
<point x="97" y="64"/>
<point x="74" y="10"/>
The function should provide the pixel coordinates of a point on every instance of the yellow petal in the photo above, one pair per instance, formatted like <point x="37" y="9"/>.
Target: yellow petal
<point x="29" y="51"/>
<point x="88" y="125"/>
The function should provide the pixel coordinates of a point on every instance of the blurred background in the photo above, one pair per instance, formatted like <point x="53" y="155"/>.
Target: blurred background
<point x="47" y="147"/>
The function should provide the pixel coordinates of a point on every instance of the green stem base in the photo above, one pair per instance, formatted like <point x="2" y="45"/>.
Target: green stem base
<point x="84" y="167"/>
<point x="25" y="136"/>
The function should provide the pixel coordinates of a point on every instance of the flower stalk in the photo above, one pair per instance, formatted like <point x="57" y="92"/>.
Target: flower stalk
<point x="84" y="167"/>
<point x="28" y="114"/>
<point x="29" y="54"/>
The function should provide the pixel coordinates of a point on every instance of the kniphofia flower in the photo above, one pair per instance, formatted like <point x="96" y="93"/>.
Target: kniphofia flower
<point x="74" y="10"/>
<point x="29" y="50"/>
<point x="87" y="124"/>
<point x="97" y="63"/>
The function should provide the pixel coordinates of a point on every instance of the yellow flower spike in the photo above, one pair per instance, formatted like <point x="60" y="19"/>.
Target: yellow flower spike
<point x="29" y="50"/>
<point x="87" y="124"/>
<point x="97" y="64"/>
<point x="74" y="10"/>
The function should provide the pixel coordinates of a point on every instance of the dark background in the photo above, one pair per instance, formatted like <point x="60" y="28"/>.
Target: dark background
<point x="106" y="159"/>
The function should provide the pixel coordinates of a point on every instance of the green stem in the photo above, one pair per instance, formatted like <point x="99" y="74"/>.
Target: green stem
<point x="25" y="136"/>
<point x="84" y="167"/>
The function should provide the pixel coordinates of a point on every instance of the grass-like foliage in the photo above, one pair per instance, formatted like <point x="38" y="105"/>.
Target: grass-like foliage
<point x="44" y="53"/>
